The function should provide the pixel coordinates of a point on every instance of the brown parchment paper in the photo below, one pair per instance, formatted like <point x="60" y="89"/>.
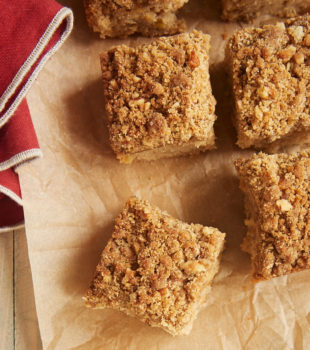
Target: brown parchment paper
<point x="73" y="194"/>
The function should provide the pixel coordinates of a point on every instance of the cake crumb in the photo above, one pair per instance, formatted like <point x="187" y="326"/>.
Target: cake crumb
<point x="158" y="98"/>
<point x="277" y="192"/>
<point x="246" y="11"/>
<point x="119" y="19"/>
<point x="156" y="268"/>
<point x="270" y="79"/>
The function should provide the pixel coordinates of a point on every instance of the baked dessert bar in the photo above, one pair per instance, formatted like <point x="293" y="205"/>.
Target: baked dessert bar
<point x="270" y="73"/>
<point x="246" y="10"/>
<point x="158" y="97"/>
<point x="121" y="18"/>
<point x="156" y="268"/>
<point x="277" y="206"/>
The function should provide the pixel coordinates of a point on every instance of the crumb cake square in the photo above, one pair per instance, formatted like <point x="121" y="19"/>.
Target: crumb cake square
<point x="156" y="268"/>
<point x="246" y="10"/>
<point x="270" y="73"/>
<point x="126" y="17"/>
<point x="277" y="206"/>
<point x="158" y="97"/>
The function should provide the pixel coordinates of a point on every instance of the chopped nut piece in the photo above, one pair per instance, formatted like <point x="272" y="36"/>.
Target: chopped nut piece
<point x="160" y="283"/>
<point x="179" y="56"/>
<point x="123" y="18"/>
<point x="277" y="206"/>
<point x="193" y="60"/>
<point x="307" y="40"/>
<point x="284" y="204"/>
<point x="192" y="267"/>
<point x="151" y="284"/>
<point x="263" y="92"/>
<point x="157" y="89"/>
<point x="161" y="119"/>
<point x="299" y="58"/>
<point x="297" y="32"/>
<point x="271" y="83"/>
<point x="287" y="53"/>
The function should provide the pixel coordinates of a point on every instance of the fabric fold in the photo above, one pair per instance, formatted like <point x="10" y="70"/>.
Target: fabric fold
<point x="31" y="32"/>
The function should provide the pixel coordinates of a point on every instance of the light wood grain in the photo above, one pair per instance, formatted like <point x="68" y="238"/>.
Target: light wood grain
<point x="18" y="320"/>
<point x="6" y="292"/>
<point x="27" y="335"/>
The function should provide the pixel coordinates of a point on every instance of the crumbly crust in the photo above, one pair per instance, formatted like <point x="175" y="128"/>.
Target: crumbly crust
<point x="277" y="203"/>
<point x="159" y="94"/>
<point x="156" y="268"/>
<point x="245" y="10"/>
<point x="121" y="18"/>
<point x="270" y="74"/>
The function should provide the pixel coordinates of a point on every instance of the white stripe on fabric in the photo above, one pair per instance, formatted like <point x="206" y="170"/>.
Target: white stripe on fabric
<point x="62" y="14"/>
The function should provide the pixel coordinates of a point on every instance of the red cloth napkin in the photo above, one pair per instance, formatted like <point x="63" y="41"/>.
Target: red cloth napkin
<point x="30" y="32"/>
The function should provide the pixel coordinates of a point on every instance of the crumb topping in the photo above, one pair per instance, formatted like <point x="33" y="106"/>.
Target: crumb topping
<point x="271" y="81"/>
<point x="277" y="191"/>
<point x="155" y="267"/>
<point x="158" y="94"/>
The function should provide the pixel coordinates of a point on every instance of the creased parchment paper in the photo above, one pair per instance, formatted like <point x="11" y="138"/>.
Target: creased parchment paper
<point x="73" y="194"/>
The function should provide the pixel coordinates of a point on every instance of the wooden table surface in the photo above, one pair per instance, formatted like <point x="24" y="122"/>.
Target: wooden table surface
<point x="18" y="319"/>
